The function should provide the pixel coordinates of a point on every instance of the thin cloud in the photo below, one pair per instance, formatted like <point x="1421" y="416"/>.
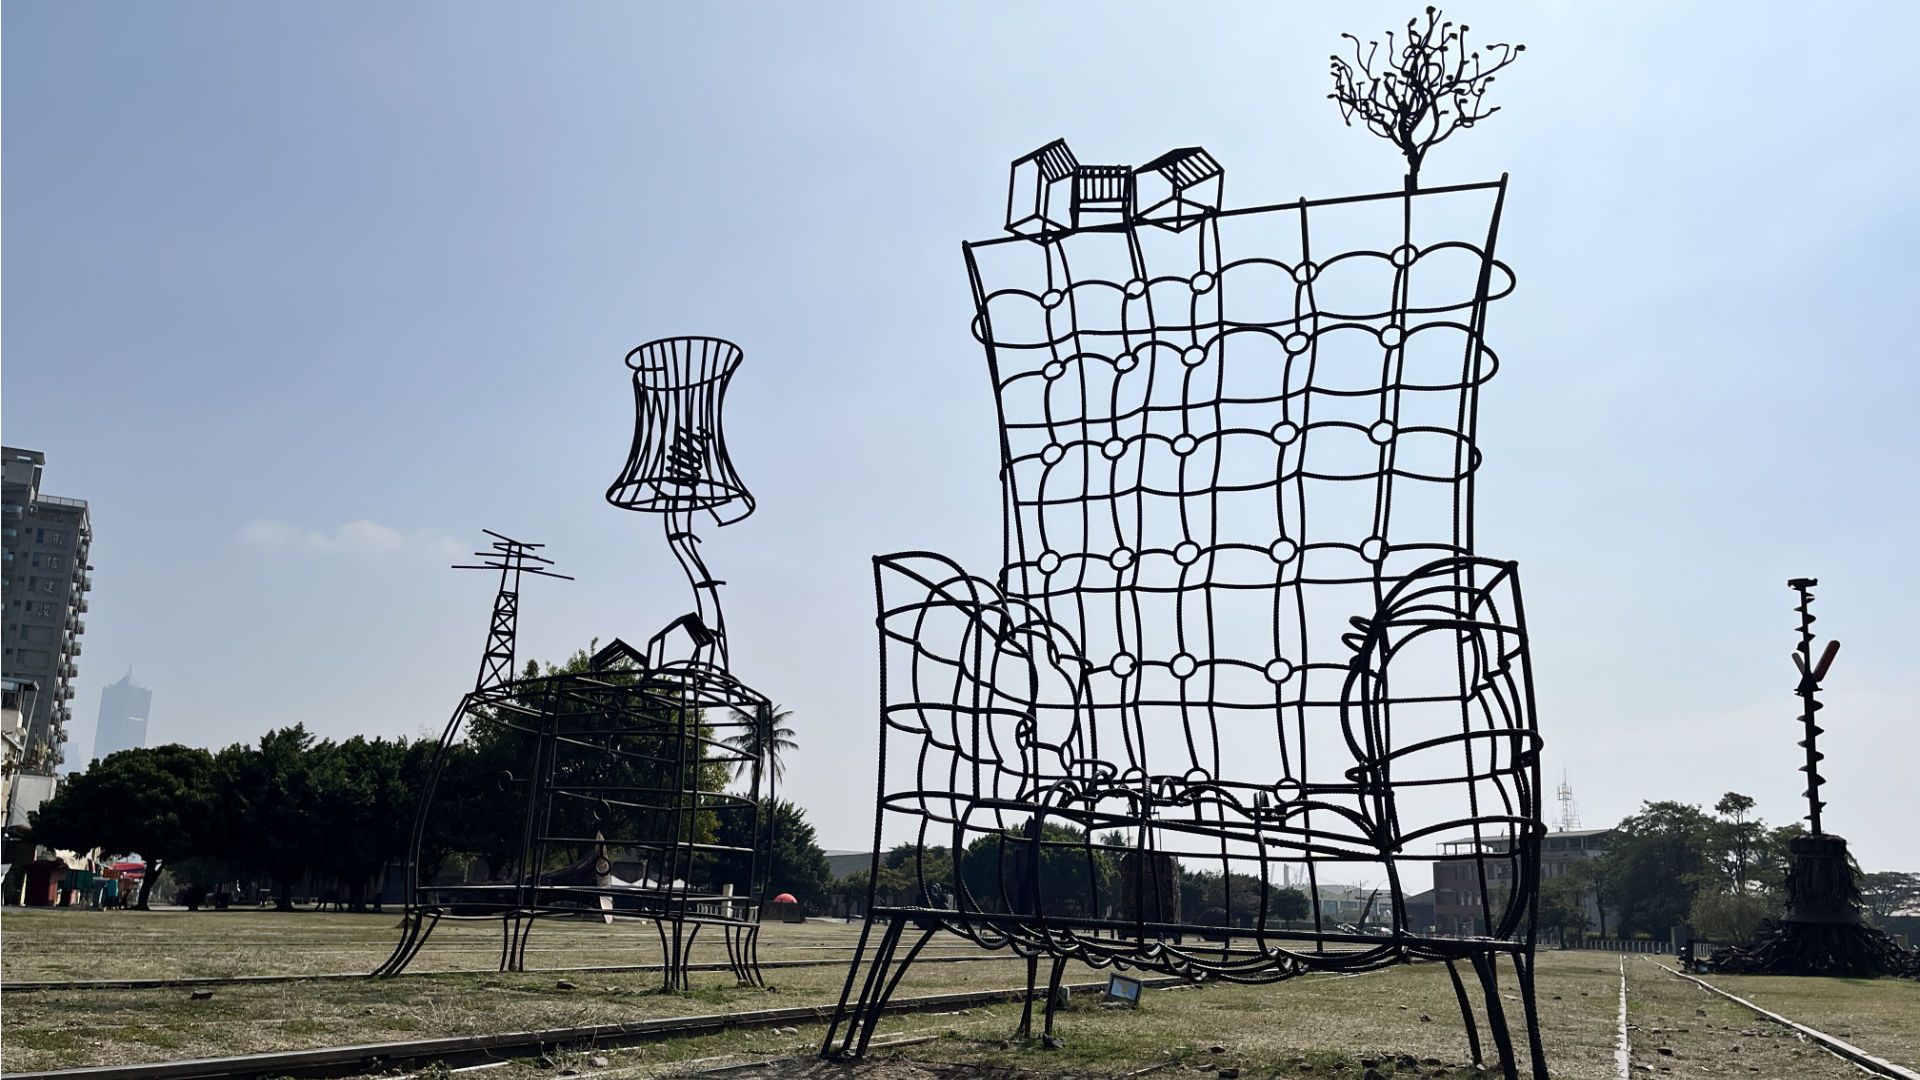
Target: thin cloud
<point x="353" y="538"/>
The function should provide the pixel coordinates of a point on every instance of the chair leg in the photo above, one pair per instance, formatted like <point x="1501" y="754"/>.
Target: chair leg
<point x="840" y="1012"/>
<point x="666" y="956"/>
<point x="882" y="986"/>
<point x="1025" y="1030"/>
<point x="402" y="952"/>
<point x="686" y="957"/>
<point x="1466" y="1014"/>
<point x="1523" y="968"/>
<point x="509" y="926"/>
<point x="750" y="954"/>
<point x="1483" y="965"/>
<point x="520" y="946"/>
<point x="1053" y="1001"/>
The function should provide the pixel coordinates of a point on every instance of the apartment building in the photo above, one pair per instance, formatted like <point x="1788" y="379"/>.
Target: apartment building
<point x="46" y="579"/>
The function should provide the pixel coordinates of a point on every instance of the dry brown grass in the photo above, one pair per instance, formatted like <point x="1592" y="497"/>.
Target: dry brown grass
<point x="1881" y="1016"/>
<point x="1331" y="1025"/>
<point x="60" y="945"/>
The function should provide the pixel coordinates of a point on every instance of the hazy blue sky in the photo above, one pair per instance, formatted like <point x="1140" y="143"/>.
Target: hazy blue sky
<point x="303" y="296"/>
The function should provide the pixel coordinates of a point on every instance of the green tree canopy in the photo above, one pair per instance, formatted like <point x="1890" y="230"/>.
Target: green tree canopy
<point x="156" y="802"/>
<point x="764" y="741"/>
<point x="1290" y="904"/>
<point x="270" y="808"/>
<point x="364" y="804"/>
<point x="1656" y="862"/>
<point x="1563" y="905"/>
<point x="1889" y="893"/>
<point x="1074" y="877"/>
<point x="796" y="864"/>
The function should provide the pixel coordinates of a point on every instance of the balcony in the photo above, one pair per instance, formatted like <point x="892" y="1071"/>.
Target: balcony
<point x="66" y="693"/>
<point x="73" y="647"/>
<point x="80" y="605"/>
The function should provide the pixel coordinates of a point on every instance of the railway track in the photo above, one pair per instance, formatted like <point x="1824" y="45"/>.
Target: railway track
<point x="1840" y="1048"/>
<point x="466" y="1050"/>
<point x="44" y="986"/>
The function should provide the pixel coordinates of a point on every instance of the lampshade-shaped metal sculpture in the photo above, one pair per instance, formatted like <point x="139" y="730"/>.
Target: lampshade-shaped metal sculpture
<point x="679" y="461"/>
<point x="678" y="467"/>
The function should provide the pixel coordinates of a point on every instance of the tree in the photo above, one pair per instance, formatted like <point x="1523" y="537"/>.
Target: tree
<point x="763" y="742"/>
<point x="1890" y="892"/>
<point x="1657" y="861"/>
<point x="850" y="892"/>
<point x="792" y="861"/>
<point x="1563" y="906"/>
<point x="269" y="804"/>
<point x="1590" y="875"/>
<point x="1075" y="878"/>
<point x="1235" y="898"/>
<point x="479" y="805"/>
<point x="1737" y="838"/>
<point x="1731" y="917"/>
<point x="153" y="802"/>
<point x="1424" y="90"/>
<point x="1290" y="904"/>
<point x="912" y="874"/>
<point x="364" y="804"/>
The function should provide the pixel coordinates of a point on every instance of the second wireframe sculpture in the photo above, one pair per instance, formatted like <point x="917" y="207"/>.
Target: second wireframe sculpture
<point x="1241" y="634"/>
<point x="634" y="788"/>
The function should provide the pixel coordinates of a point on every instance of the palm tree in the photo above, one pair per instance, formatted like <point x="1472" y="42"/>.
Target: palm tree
<point x="762" y="741"/>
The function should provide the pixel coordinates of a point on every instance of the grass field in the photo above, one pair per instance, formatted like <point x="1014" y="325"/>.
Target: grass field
<point x="1402" y="1021"/>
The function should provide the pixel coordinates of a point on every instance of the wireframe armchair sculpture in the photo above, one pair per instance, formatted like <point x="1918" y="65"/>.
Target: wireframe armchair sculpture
<point x="1241" y="636"/>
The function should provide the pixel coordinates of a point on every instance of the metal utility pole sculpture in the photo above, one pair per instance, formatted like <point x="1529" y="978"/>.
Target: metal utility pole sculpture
<point x="1242" y="628"/>
<point x="1823" y="931"/>
<point x="512" y="558"/>
<point x="603" y="792"/>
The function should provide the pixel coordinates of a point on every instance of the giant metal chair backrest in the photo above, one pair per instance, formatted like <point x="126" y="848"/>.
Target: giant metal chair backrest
<point x="1238" y="464"/>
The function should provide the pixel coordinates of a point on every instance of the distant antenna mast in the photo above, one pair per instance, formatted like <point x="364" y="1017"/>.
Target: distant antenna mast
<point x="1569" y="810"/>
<point x="512" y="558"/>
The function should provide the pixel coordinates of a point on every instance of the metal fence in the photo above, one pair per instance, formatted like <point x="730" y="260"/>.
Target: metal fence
<point x="1620" y="945"/>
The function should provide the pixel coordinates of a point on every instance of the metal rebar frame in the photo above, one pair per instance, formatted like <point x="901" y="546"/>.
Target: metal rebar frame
<point x="1241" y="636"/>
<point x="618" y="777"/>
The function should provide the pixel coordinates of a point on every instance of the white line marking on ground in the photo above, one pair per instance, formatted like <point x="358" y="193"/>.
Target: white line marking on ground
<point x="1622" y="1057"/>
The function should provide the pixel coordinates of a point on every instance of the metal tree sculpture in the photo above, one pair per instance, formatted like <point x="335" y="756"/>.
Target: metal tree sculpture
<point x="1823" y="932"/>
<point x="1425" y="88"/>
<point x="1241" y="634"/>
<point x="611" y="783"/>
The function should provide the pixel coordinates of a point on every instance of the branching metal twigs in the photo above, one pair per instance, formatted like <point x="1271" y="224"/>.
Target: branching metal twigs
<point x="1425" y="87"/>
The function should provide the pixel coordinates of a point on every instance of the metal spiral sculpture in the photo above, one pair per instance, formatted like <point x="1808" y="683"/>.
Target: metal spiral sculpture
<point x="1823" y="931"/>
<point x="1811" y="675"/>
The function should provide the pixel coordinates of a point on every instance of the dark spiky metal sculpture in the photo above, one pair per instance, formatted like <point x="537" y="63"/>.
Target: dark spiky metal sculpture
<point x="1823" y="932"/>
